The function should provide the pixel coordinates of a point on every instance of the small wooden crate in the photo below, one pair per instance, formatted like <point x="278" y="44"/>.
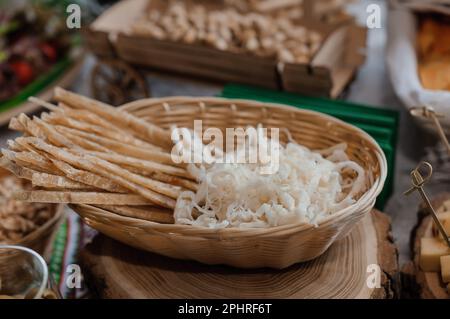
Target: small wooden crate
<point x="327" y="74"/>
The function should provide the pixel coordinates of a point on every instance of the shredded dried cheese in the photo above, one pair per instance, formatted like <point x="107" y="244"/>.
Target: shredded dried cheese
<point x="307" y="186"/>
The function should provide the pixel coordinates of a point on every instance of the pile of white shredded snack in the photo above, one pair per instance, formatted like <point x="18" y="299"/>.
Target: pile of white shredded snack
<point x="307" y="186"/>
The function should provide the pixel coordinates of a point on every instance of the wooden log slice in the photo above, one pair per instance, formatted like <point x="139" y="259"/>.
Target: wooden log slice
<point x="114" y="270"/>
<point x="415" y="282"/>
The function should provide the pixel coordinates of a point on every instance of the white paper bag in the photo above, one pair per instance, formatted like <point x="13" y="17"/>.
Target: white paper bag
<point x="401" y="59"/>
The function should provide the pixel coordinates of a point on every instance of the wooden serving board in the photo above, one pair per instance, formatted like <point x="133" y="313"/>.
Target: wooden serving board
<point x="417" y="283"/>
<point x="114" y="270"/>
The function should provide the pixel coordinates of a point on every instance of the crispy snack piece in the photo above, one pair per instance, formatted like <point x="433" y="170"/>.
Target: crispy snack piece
<point x="162" y="177"/>
<point x="92" y="118"/>
<point x="42" y="196"/>
<point x="22" y="146"/>
<point x="144" y="165"/>
<point x="63" y="119"/>
<point x="18" y="171"/>
<point x="162" y="188"/>
<point x="31" y="160"/>
<point x="88" y="117"/>
<point x="83" y="115"/>
<point x="39" y="128"/>
<point x="13" y="146"/>
<point x="104" y="144"/>
<point x="15" y="125"/>
<point x="140" y="128"/>
<point x="41" y="179"/>
<point x="174" y="180"/>
<point x="88" y="178"/>
<point x="150" y="213"/>
<point x="29" y="126"/>
<point x="55" y="181"/>
<point x="110" y="172"/>
<point x="25" y="161"/>
<point x="53" y="135"/>
<point x="82" y="141"/>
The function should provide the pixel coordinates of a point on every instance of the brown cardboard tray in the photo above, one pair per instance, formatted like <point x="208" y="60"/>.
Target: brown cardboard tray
<point x="327" y="74"/>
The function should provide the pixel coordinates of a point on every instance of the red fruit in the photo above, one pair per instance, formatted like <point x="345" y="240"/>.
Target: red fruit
<point x="49" y="51"/>
<point x="23" y="71"/>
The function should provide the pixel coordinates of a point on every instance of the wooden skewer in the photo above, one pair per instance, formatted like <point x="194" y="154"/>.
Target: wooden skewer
<point x="418" y="182"/>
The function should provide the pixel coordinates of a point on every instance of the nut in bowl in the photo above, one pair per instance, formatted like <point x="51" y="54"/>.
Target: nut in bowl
<point x="124" y="182"/>
<point x="27" y="224"/>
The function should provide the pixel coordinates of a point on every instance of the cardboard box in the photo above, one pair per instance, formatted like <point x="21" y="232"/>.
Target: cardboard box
<point x="327" y="74"/>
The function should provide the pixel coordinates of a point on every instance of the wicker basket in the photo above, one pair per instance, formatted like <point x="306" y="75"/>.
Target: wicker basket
<point x="276" y="247"/>
<point x="40" y="239"/>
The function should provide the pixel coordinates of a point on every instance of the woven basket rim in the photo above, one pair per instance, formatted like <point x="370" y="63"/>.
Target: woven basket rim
<point x="166" y="100"/>
<point x="368" y="198"/>
<point x="199" y="232"/>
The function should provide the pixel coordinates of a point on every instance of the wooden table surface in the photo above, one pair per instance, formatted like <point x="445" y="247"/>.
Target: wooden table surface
<point x="372" y="87"/>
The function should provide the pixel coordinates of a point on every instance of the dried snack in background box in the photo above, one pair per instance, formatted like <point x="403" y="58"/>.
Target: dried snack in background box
<point x="225" y="28"/>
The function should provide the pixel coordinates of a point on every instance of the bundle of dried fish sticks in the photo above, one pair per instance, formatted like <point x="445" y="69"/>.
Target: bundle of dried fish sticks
<point x="87" y="152"/>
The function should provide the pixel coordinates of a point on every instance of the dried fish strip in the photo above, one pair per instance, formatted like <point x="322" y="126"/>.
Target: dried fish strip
<point x="77" y="161"/>
<point x="141" y="128"/>
<point x="150" y="213"/>
<point x="118" y="147"/>
<point x="55" y="181"/>
<point x="62" y="119"/>
<point x="97" y="198"/>
<point x="88" y="178"/>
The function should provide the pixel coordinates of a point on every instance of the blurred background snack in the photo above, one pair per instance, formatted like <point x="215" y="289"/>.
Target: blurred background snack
<point x="294" y="46"/>
<point x="277" y="35"/>
<point x="36" y="50"/>
<point x="26" y="53"/>
<point x="434" y="51"/>
<point x="418" y="58"/>
<point x="29" y="224"/>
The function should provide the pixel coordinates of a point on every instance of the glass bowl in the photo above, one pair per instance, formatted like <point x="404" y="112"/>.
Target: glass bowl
<point x="24" y="274"/>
